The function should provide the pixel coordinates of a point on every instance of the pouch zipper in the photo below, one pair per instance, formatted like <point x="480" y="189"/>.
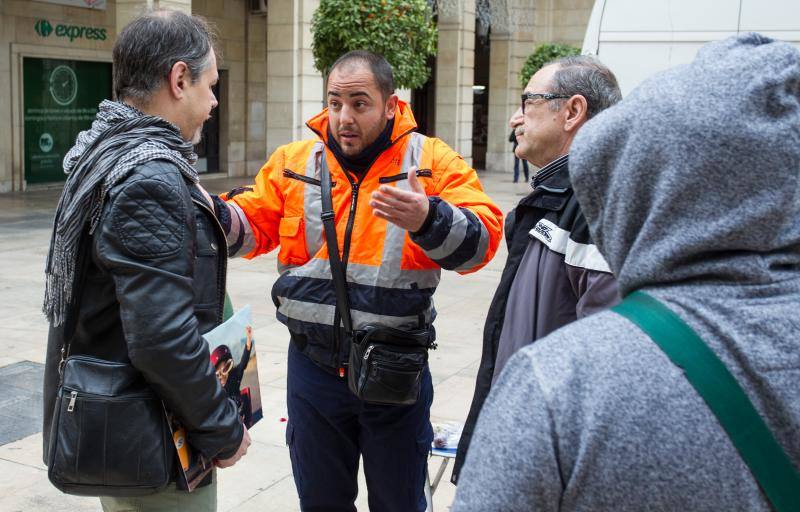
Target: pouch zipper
<point x="401" y="348"/>
<point x="383" y="362"/>
<point x="387" y="364"/>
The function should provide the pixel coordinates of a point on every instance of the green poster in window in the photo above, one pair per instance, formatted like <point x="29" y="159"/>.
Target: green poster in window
<point x="60" y="100"/>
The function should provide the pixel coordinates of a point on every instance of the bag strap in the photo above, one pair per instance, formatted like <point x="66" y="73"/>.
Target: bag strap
<point x="71" y="320"/>
<point x="752" y="438"/>
<point x="337" y="270"/>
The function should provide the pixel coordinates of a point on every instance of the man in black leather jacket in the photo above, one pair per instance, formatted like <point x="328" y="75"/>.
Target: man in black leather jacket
<point x="148" y="256"/>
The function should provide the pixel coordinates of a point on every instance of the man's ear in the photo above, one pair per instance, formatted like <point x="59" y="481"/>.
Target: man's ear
<point x="577" y="110"/>
<point x="391" y="106"/>
<point x="178" y="79"/>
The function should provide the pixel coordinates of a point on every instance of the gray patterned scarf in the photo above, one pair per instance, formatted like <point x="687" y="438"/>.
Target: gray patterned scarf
<point x="121" y="138"/>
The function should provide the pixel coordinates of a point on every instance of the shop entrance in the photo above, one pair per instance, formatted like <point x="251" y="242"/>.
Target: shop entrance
<point x="480" y="98"/>
<point x="208" y="148"/>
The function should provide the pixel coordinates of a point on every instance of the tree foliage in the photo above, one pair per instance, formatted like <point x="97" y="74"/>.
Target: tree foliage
<point x="543" y="54"/>
<point x="402" y="31"/>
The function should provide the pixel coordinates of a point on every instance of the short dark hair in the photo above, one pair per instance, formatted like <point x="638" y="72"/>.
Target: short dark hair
<point x="379" y="67"/>
<point x="587" y="76"/>
<point x="150" y="45"/>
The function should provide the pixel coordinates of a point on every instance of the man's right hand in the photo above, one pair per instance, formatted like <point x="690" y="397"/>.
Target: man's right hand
<point x="226" y="463"/>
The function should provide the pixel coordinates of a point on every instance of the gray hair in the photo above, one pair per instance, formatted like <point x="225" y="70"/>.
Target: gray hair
<point x="587" y="76"/>
<point x="379" y="67"/>
<point x="149" y="46"/>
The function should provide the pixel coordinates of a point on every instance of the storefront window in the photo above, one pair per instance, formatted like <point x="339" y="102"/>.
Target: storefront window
<point x="60" y="100"/>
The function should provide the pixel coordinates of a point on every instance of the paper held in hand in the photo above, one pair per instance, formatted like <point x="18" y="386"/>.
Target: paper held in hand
<point x="233" y="357"/>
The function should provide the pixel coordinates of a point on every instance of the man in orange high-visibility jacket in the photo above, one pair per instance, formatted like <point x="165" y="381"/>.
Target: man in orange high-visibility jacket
<point x="405" y="206"/>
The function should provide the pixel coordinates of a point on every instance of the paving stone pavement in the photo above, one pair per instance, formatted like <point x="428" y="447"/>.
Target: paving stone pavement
<point x="262" y="481"/>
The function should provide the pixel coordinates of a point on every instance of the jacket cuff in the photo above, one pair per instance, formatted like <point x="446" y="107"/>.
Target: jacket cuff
<point x="428" y="220"/>
<point x="222" y="213"/>
<point x="426" y="236"/>
<point x="227" y="454"/>
<point x="455" y="238"/>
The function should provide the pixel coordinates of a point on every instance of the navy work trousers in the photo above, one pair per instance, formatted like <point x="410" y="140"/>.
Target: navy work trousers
<point x="329" y="428"/>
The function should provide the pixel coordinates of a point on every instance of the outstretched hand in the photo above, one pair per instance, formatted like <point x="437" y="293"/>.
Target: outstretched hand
<point x="403" y="208"/>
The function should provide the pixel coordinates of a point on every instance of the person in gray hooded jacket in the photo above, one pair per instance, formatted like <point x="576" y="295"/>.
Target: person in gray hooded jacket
<point x="691" y="188"/>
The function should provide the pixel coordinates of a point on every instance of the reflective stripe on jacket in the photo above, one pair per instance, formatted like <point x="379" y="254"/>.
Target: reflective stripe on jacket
<point x="391" y="274"/>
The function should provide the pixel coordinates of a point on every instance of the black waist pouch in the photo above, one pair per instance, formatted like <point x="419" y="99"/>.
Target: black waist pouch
<point x="386" y="364"/>
<point x="109" y="435"/>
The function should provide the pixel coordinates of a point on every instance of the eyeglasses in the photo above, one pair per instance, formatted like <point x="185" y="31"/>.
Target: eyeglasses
<point x="530" y="96"/>
<point x="226" y="369"/>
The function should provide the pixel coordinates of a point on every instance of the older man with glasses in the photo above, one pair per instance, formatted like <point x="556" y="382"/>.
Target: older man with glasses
<point x="554" y="274"/>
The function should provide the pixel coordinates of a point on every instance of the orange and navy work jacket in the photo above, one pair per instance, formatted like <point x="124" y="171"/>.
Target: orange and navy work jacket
<point x="391" y="274"/>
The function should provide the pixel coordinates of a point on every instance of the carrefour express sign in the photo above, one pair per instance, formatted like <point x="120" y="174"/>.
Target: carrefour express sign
<point x="45" y="29"/>
<point x="89" y="4"/>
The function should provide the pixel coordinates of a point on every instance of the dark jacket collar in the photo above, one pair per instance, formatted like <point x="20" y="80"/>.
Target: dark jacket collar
<point x="551" y="186"/>
<point x="554" y="175"/>
<point x="361" y="163"/>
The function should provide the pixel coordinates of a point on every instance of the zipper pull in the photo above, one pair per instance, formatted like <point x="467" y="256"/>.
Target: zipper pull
<point x="341" y="372"/>
<point x="62" y="362"/>
<point x="369" y="349"/>
<point x="72" y="397"/>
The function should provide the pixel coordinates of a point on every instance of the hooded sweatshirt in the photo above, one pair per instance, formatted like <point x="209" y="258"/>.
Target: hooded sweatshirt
<point x="691" y="190"/>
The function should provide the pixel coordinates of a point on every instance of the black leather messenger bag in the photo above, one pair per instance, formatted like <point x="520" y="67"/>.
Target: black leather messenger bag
<point x="109" y="435"/>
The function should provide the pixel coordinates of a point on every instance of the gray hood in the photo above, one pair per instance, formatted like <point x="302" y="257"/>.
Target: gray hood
<point x="694" y="177"/>
<point x="690" y="189"/>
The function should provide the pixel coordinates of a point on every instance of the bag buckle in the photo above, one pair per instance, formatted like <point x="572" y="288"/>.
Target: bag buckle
<point x="369" y="349"/>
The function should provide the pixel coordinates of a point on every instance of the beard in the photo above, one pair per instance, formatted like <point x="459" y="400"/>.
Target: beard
<point x="198" y="136"/>
<point x="351" y="150"/>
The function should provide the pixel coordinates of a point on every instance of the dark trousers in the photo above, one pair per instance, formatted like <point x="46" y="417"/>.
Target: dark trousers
<point x="329" y="428"/>
<point x="517" y="160"/>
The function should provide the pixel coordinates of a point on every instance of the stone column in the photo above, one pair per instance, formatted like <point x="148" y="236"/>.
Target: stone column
<point x="455" y="72"/>
<point x="127" y="10"/>
<point x="7" y="35"/>
<point x="256" y="54"/>
<point x="294" y="87"/>
<point x="511" y="45"/>
<point x="503" y="90"/>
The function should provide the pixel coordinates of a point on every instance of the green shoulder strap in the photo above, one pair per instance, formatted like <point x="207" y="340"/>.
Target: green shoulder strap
<point x="766" y="459"/>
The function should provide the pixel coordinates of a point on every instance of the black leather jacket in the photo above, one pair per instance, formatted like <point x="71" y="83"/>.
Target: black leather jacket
<point x="154" y="282"/>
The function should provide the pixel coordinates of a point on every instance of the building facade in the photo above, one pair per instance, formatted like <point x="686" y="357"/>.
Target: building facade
<point x="55" y="67"/>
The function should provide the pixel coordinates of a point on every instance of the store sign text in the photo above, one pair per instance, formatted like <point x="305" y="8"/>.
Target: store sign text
<point x="44" y="28"/>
